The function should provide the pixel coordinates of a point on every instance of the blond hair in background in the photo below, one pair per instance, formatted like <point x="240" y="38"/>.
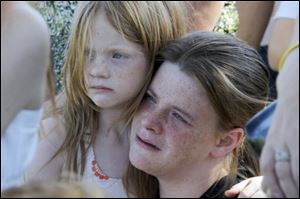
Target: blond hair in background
<point x="55" y="190"/>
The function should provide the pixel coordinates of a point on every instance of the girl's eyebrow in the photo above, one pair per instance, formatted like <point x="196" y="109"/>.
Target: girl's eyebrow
<point x="115" y="48"/>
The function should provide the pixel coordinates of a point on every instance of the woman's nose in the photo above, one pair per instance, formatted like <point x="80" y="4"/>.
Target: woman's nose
<point x="152" y="121"/>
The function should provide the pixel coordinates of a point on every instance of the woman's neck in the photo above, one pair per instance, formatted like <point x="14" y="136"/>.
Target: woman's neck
<point x="189" y="184"/>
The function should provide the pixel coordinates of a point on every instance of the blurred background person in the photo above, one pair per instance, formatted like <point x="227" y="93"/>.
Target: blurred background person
<point x="267" y="26"/>
<point x="204" y="15"/>
<point x="55" y="190"/>
<point x="280" y="157"/>
<point x="25" y="69"/>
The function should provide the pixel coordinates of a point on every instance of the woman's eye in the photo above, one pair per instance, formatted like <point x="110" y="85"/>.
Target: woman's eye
<point x="149" y="98"/>
<point x="179" y="118"/>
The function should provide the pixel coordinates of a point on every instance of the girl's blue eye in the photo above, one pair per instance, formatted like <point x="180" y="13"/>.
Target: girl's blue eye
<point x="118" y="56"/>
<point x="179" y="118"/>
<point x="90" y="55"/>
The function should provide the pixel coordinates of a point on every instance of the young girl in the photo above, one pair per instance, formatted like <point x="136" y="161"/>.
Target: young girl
<point x="108" y="67"/>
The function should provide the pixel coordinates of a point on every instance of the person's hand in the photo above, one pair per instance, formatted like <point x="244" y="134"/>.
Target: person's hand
<point x="280" y="157"/>
<point x="250" y="188"/>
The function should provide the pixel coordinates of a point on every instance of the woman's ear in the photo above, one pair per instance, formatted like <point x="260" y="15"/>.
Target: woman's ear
<point x="227" y="142"/>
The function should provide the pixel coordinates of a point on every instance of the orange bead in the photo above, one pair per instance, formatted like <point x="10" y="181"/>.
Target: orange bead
<point x="97" y="171"/>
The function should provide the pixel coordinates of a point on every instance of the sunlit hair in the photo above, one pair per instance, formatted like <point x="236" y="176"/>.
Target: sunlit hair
<point x="235" y="80"/>
<point x="152" y="24"/>
<point x="55" y="190"/>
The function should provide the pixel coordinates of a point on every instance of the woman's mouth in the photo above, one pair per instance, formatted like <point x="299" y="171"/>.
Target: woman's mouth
<point x="146" y="144"/>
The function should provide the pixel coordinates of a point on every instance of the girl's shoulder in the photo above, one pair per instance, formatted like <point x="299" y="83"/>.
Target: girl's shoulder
<point x="52" y="127"/>
<point x="52" y="120"/>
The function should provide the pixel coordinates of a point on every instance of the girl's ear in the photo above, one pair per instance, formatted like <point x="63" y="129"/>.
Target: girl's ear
<point x="227" y="142"/>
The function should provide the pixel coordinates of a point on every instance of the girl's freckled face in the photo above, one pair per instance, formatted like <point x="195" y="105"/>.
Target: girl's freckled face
<point x="115" y="68"/>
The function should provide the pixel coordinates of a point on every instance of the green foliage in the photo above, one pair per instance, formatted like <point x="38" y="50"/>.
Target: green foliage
<point x="58" y="15"/>
<point x="228" y="22"/>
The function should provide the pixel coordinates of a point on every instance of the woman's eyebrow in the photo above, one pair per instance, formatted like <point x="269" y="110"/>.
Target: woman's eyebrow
<point x="152" y="93"/>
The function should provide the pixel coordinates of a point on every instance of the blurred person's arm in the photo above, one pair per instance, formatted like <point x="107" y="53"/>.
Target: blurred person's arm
<point x="282" y="177"/>
<point x="46" y="165"/>
<point x="279" y="42"/>
<point x="254" y="17"/>
<point x="285" y="27"/>
<point x="204" y="15"/>
<point x="25" y="49"/>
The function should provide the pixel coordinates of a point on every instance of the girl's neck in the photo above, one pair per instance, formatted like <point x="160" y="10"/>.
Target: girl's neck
<point x="111" y="146"/>
<point x="107" y="119"/>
